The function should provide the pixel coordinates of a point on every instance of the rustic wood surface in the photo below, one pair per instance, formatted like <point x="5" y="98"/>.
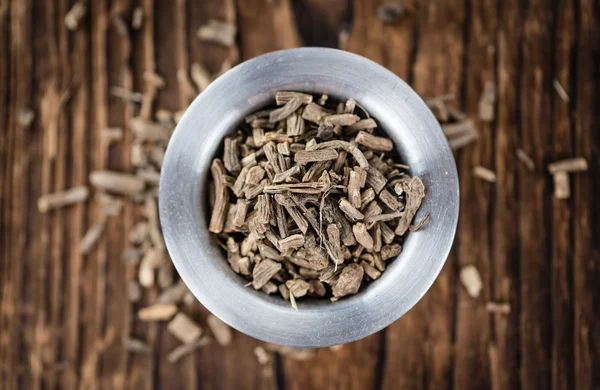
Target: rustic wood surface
<point x="63" y="317"/>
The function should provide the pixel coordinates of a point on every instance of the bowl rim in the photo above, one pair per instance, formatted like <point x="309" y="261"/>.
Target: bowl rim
<point x="185" y="229"/>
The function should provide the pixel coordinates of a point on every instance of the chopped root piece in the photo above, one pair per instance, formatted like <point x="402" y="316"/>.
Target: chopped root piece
<point x="419" y="225"/>
<point x="219" y="32"/>
<point x="470" y="278"/>
<point x="157" y="312"/>
<point x="577" y="164"/>
<point x="219" y="213"/>
<point x="91" y="237"/>
<point x="484" y="174"/>
<point x="220" y="330"/>
<point x="391" y="250"/>
<point x="560" y="91"/>
<point x="341" y="120"/>
<point x="62" y="199"/>
<point x="306" y="156"/>
<point x="74" y="16"/>
<point x="263" y="272"/>
<point x="362" y="235"/>
<point x="262" y="356"/>
<point x="298" y="288"/>
<point x="185" y="349"/>
<point x="285" y="111"/>
<point x="378" y="144"/>
<point x="526" y="160"/>
<point x="487" y="101"/>
<point x="497" y="307"/>
<point x="371" y="272"/>
<point x="562" y="188"/>
<point x="184" y="329"/>
<point x="283" y="97"/>
<point x="116" y="182"/>
<point x="349" y="281"/>
<point x="352" y="213"/>
<point x="291" y="242"/>
<point x="136" y="346"/>
<point x="415" y="192"/>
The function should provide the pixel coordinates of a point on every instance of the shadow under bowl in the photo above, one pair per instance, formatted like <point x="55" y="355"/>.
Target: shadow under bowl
<point x="184" y="214"/>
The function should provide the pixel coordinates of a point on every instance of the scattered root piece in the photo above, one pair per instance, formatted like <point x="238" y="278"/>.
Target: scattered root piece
<point x="137" y="18"/>
<point x="219" y="32"/>
<point x="116" y="182"/>
<point x="470" y="278"/>
<point x="91" y="237"/>
<point x="74" y="16"/>
<point x="487" y="101"/>
<point x="484" y="174"/>
<point x="498" y="307"/>
<point x="62" y="199"/>
<point x="25" y="117"/>
<point x="525" y="159"/>
<point x="154" y="79"/>
<point x="175" y="355"/>
<point x="562" y="187"/>
<point x="184" y="329"/>
<point x="560" y="91"/>
<point x="157" y="312"/>
<point x="262" y="356"/>
<point x="136" y="346"/>
<point x="220" y="330"/>
<point x="577" y="164"/>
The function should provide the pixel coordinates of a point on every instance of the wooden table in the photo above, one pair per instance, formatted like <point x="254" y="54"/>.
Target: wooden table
<point x="63" y="316"/>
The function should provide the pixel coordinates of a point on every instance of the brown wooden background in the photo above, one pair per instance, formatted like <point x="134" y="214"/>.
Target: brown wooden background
<point x="63" y="317"/>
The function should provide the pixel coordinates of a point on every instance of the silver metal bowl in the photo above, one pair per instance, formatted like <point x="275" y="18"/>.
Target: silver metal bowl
<point x="186" y="171"/>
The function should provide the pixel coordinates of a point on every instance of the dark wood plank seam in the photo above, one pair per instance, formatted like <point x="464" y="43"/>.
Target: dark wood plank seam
<point x="279" y="371"/>
<point x="518" y="259"/>
<point x="381" y="360"/>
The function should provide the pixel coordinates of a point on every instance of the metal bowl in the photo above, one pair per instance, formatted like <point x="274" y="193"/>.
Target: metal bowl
<point x="186" y="171"/>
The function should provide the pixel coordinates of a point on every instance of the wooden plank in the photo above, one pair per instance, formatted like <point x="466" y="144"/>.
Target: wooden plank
<point x="117" y="316"/>
<point x="265" y="27"/>
<point x="19" y="95"/>
<point x="5" y="271"/>
<point x="504" y="346"/>
<point x="172" y="31"/>
<point x="534" y="205"/>
<point x="471" y="363"/>
<point x="141" y="369"/>
<point x="562" y="216"/>
<point x="319" y="23"/>
<point x="586" y="251"/>
<point x="93" y="268"/>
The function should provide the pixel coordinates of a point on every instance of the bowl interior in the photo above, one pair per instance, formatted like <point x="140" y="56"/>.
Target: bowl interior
<point x="401" y="114"/>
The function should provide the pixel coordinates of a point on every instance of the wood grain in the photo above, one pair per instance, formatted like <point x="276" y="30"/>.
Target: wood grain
<point x="534" y="220"/>
<point x="63" y="317"/>
<point x="504" y="345"/>
<point x="471" y="361"/>
<point x="586" y="274"/>
<point x="562" y="217"/>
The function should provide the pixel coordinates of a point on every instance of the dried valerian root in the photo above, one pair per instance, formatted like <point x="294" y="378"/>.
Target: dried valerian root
<point x="309" y="200"/>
